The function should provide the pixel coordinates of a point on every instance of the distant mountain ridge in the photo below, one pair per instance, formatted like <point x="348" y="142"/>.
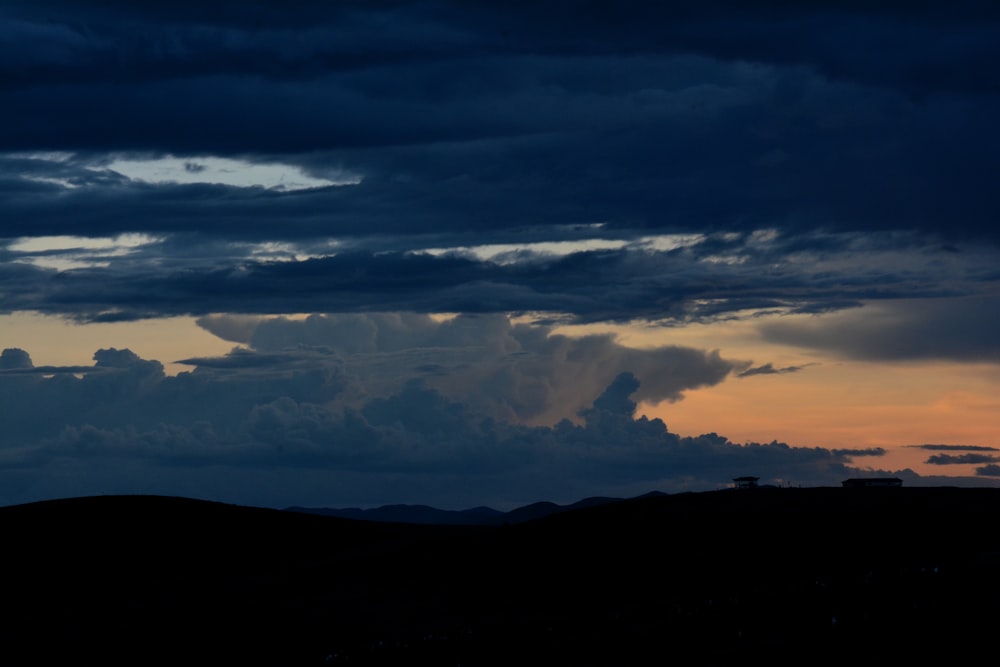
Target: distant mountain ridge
<point x="474" y="516"/>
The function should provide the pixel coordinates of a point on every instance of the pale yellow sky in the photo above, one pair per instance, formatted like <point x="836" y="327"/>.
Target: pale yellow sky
<point x="53" y="341"/>
<point x="831" y="402"/>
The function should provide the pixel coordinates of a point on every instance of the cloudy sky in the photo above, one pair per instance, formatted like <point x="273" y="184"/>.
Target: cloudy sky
<point x="358" y="253"/>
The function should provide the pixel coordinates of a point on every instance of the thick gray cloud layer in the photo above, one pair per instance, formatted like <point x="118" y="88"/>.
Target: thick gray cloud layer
<point x="500" y="123"/>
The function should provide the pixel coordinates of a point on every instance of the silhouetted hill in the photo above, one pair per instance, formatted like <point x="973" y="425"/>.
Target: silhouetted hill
<point x="829" y="574"/>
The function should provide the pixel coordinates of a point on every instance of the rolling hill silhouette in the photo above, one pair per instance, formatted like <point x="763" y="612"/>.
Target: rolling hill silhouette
<point x="714" y="577"/>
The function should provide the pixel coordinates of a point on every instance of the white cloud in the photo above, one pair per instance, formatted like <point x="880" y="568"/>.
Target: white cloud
<point x="510" y="253"/>
<point x="44" y="243"/>
<point x="64" y="253"/>
<point x="223" y="171"/>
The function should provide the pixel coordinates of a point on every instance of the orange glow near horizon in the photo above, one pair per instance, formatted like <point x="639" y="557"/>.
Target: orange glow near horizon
<point x="830" y="402"/>
<point x="852" y="405"/>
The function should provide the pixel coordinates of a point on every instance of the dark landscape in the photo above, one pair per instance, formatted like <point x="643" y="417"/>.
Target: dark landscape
<point x="791" y="575"/>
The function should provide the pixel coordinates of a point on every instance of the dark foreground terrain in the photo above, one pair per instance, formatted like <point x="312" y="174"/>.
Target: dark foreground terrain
<point x="809" y="576"/>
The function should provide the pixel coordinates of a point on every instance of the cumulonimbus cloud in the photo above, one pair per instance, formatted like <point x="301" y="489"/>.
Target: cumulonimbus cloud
<point x="516" y="372"/>
<point x="278" y="433"/>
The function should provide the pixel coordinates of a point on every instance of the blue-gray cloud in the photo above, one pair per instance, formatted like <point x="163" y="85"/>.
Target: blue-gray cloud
<point x="956" y="459"/>
<point x="769" y="369"/>
<point x="940" y="328"/>
<point x="719" y="116"/>
<point x="514" y="372"/>
<point x="238" y="432"/>
<point x="500" y="124"/>
<point x="957" y="448"/>
<point x="704" y="279"/>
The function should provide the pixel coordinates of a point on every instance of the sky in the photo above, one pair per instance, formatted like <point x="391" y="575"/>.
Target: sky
<point x="491" y="253"/>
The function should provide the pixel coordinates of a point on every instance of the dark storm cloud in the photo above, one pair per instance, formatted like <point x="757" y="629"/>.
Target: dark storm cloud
<point x="630" y="163"/>
<point x="241" y="359"/>
<point x="854" y="453"/>
<point x="769" y="369"/>
<point x="52" y="370"/>
<point x="923" y="46"/>
<point x="261" y="434"/>
<point x="506" y="116"/>
<point x="829" y="158"/>
<point x="121" y="388"/>
<point x="957" y="448"/>
<point x="633" y="282"/>
<point x="15" y="359"/>
<point x="949" y="459"/>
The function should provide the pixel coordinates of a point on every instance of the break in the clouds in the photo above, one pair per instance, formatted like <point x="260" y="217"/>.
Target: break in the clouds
<point x="369" y="409"/>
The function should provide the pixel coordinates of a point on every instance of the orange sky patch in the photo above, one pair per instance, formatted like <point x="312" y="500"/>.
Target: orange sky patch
<point x="852" y="405"/>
